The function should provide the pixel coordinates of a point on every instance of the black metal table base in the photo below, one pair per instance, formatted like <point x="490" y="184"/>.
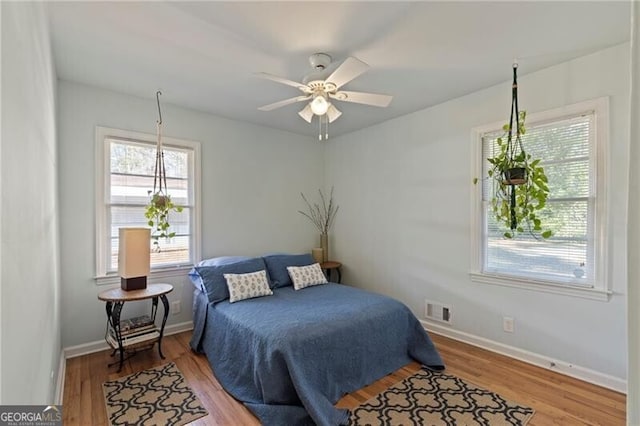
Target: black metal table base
<point x="329" y="273"/>
<point x="113" y="317"/>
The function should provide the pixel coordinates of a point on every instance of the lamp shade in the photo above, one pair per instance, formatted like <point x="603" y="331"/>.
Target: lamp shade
<point x="134" y="257"/>
<point x="319" y="105"/>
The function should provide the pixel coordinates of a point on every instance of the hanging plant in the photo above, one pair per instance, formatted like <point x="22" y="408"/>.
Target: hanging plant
<point x="519" y="182"/>
<point x="160" y="204"/>
<point x="157" y="213"/>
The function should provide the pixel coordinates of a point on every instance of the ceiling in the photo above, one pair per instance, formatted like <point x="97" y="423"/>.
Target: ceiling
<point x="203" y="55"/>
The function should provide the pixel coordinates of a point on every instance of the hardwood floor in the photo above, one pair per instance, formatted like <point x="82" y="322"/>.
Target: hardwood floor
<point x="557" y="399"/>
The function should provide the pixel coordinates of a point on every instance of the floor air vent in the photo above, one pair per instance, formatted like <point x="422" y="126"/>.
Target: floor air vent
<point x="437" y="311"/>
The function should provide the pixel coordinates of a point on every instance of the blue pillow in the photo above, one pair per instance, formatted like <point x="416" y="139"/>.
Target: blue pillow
<point x="277" y="267"/>
<point x="222" y="260"/>
<point x="215" y="285"/>
<point x="214" y="261"/>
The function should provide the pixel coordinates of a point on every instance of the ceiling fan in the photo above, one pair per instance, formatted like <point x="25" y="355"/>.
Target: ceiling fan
<point x="319" y="89"/>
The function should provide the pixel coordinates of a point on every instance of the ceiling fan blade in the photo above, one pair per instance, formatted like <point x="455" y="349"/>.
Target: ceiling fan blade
<point x="283" y="103"/>
<point x="333" y="113"/>
<point x="306" y="113"/>
<point x="374" y="99"/>
<point x="347" y="71"/>
<point x="299" y="86"/>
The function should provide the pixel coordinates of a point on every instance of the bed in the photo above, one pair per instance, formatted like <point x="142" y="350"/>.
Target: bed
<point x="291" y="355"/>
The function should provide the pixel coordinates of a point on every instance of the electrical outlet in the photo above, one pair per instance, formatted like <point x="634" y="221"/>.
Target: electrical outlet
<point x="508" y="324"/>
<point x="175" y="307"/>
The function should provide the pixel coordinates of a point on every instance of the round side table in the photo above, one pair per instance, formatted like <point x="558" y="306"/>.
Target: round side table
<point x="329" y="266"/>
<point x="115" y="299"/>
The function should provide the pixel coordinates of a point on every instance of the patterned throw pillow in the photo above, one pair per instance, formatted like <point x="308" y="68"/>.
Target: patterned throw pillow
<point x="306" y="276"/>
<point x="247" y="286"/>
<point x="277" y="267"/>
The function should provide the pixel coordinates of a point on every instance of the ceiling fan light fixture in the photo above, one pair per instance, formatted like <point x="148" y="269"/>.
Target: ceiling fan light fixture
<point x="323" y="83"/>
<point x="319" y="105"/>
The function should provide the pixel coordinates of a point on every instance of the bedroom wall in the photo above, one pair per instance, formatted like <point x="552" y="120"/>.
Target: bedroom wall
<point x="1" y="204"/>
<point x="404" y="190"/>
<point x="633" y="313"/>
<point x="29" y="218"/>
<point x="252" y="177"/>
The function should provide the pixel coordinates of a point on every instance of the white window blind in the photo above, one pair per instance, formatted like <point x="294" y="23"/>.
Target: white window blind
<point x="564" y="145"/>
<point x="572" y="144"/>
<point x="125" y="176"/>
<point x="131" y="177"/>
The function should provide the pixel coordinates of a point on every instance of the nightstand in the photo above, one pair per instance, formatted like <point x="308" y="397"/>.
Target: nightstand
<point x="133" y="336"/>
<point x="329" y="266"/>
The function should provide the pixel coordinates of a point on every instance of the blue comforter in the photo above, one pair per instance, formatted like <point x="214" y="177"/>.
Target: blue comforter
<point x="289" y="357"/>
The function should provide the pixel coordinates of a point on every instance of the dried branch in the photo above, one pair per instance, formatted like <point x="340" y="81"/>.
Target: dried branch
<point x="321" y="217"/>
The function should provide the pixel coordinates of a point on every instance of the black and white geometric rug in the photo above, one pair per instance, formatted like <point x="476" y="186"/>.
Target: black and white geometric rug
<point x="157" y="396"/>
<point x="435" y="399"/>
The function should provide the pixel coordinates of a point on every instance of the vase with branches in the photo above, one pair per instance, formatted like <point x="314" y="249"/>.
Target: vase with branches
<point x="322" y="216"/>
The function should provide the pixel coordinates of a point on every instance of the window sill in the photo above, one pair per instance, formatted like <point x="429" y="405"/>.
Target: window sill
<point x="543" y="286"/>
<point x="176" y="271"/>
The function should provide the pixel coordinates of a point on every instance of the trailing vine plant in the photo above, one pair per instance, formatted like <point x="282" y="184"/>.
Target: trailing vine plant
<point x="160" y="203"/>
<point x="157" y="213"/>
<point x="520" y="185"/>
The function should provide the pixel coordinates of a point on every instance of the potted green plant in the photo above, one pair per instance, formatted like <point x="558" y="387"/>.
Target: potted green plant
<point x="160" y="203"/>
<point x="157" y="214"/>
<point x="520" y="185"/>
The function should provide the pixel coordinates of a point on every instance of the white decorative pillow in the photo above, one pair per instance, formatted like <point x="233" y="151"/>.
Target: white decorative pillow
<point x="247" y="286"/>
<point x="306" y="276"/>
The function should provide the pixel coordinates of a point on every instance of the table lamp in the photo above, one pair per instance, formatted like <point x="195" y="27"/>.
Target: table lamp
<point x="134" y="257"/>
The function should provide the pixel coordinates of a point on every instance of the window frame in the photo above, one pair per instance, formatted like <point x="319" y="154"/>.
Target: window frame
<point x="102" y="167"/>
<point x="598" y="174"/>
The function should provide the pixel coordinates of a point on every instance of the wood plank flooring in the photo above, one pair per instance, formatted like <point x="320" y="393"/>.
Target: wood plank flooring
<point x="557" y="399"/>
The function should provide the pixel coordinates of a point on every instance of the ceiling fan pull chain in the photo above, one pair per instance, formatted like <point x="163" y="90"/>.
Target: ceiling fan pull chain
<point x="319" y="128"/>
<point x="326" y="127"/>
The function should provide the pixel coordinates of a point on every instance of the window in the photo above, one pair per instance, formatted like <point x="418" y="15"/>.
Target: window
<point x="125" y="167"/>
<point x="571" y="143"/>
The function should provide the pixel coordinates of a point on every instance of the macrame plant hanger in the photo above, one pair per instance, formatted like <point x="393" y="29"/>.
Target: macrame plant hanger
<point x="159" y="174"/>
<point x="513" y="145"/>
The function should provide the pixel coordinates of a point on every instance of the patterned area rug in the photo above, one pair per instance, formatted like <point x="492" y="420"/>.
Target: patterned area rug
<point x="431" y="398"/>
<point x="157" y="396"/>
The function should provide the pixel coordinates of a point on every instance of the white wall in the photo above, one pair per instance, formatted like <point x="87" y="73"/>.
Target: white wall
<point x="29" y="217"/>
<point x="252" y="177"/>
<point x="1" y="204"/>
<point x="633" y="312"/>
<point x="404" y="190"/>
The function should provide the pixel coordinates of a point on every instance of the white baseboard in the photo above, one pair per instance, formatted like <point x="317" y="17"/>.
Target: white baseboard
<point x="562" y="367"/>
<point x="62" y="369"/>
<point x="101" y="345"/>
<point x="178" y="328"/>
